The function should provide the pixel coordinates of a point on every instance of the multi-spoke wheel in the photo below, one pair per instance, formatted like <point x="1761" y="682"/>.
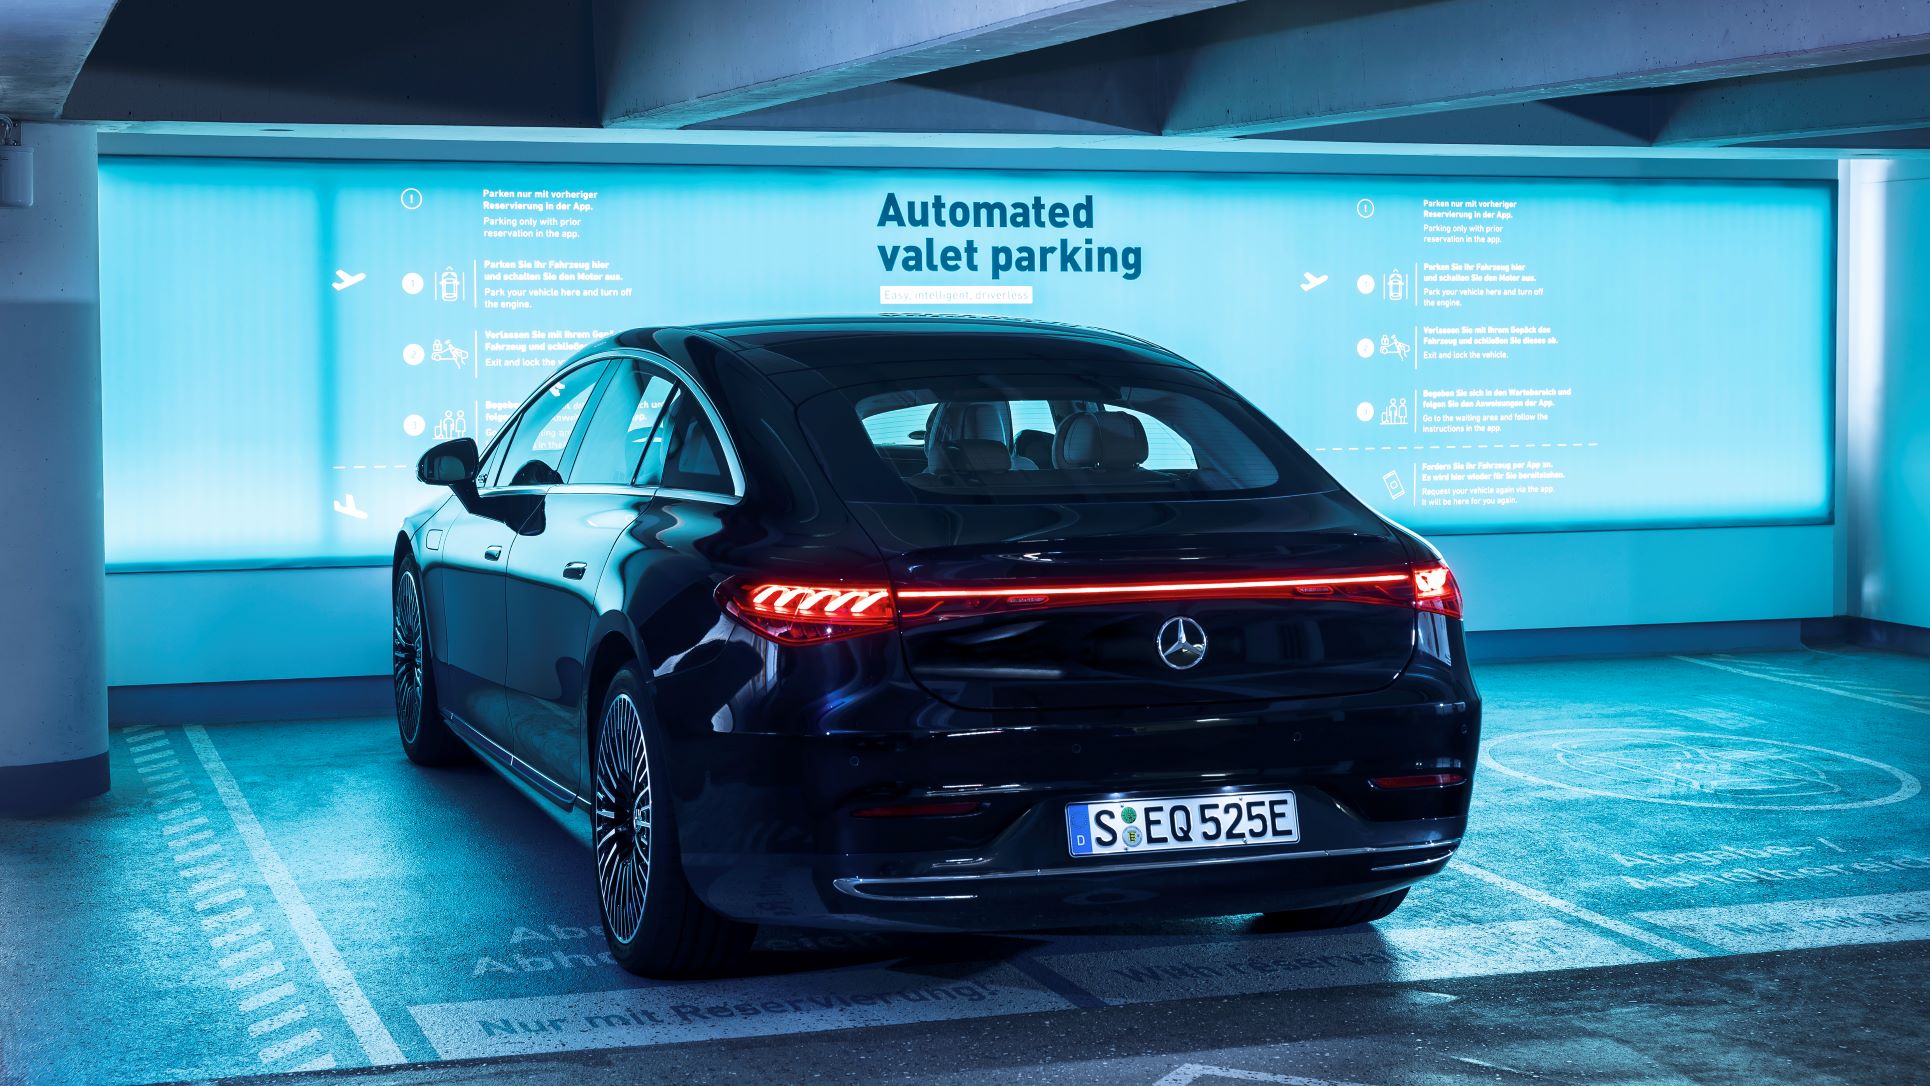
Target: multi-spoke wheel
<point x="425" y="738"/>
<point x="656" y="925"/>
<point x="408" y="656"/>
<point x="621" y="818"/>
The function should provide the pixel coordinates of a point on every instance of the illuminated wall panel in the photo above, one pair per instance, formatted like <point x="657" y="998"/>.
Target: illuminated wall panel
<point x="1471" y="355"/>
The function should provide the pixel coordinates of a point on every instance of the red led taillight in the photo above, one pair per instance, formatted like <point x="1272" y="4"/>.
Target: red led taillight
<point x="1435" y="590"/>
<point x="796" y="614"/>
<point x="917" y="604"/>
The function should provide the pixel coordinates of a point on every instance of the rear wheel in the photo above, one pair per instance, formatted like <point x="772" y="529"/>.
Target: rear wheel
<point x="425" y="738"/>
<point x="1338" y="916"/>
<point x="655" y="923"/>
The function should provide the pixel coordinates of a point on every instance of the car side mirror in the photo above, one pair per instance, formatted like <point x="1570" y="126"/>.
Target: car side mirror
<point x="452" y="463"/>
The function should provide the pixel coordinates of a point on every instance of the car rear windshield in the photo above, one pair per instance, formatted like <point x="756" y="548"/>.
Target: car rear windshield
<point x="1033" y="437"/>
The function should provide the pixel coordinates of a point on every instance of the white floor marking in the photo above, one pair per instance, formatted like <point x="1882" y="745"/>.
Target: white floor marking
<point x="1590" y="916"/>
<point x="319" y="1063"/>
<point x="235" y="936"/>
<point x="375" y="1038"/>
<point x="206" y="885"/>
<point x="281" y="1021"/>
<point x="1341" y="958"/>
<point x="219" y="899"/>
<point x="839" y="999"/>
<point x="212" y="876"/>
<point x="1491" y="1066"/>
<point x="1820" y="688"/>
<point x="264" y="998"/>
<point x="1187" y="1073"/>
<point x="291" y="1046"/>
<point x="246" y="954"/>
<point x="272" y="969"/>
<point x="215" y="921"/>
<point x="1791" y="925"/>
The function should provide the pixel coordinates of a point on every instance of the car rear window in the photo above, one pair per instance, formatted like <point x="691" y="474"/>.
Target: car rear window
<point x="1032" y="437"/>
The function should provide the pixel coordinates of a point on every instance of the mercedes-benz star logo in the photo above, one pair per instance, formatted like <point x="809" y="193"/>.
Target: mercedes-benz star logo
<point x="1181" y="643"/>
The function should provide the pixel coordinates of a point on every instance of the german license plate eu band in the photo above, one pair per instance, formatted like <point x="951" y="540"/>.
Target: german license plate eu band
<point x="1223" y="820"/>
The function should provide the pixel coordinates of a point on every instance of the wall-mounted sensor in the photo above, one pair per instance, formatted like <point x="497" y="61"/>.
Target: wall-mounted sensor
<point x="16" y="177"/>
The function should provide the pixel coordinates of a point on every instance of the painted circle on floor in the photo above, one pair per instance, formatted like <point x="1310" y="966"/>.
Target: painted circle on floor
<point x="1698" y="769"/>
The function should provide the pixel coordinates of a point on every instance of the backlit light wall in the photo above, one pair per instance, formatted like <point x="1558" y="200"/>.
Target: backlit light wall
<point x="281" y="340"/>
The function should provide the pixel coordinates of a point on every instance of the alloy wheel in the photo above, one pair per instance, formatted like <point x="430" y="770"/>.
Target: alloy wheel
<point x="621" y="818"/>
<point x="408" y="661"/>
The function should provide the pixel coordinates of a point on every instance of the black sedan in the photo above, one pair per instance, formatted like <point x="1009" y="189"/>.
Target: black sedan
<point x="932" y="624"/>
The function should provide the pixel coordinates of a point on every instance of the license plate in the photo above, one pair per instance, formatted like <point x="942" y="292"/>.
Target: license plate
<point x="1223" y="820"/>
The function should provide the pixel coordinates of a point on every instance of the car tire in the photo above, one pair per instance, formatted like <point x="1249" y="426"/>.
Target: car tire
<point x="426" y="739"/>
<point x="655" y="924"/>
<point x="1337" y="916"/>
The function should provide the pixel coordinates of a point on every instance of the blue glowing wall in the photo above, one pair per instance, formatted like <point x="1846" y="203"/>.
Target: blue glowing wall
<point x="1470" y="355"/>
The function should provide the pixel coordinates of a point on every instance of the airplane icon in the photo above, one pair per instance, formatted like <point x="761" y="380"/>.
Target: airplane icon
<point x="348" y="508"/>
<point x="344" y="280"/>
<point x="1312" y="281"/>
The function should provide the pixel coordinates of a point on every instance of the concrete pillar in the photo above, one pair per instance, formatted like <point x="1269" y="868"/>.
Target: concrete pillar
<point x="53" y="687"/>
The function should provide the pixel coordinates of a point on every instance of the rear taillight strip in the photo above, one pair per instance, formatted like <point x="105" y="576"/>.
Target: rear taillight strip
<point x="1180" y="588"/>
<point x="801" y="613"/>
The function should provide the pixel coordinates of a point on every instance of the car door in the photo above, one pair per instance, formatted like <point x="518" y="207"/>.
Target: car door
<point x="468" y="576"/>
<point x="554" y="576"/>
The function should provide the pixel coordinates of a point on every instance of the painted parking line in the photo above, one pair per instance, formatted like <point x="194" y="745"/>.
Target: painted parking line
<point x="212" y="884"/>
<point x="1791" y="925"/>
<point x="847" y="999"/>
<point x="1590" y="916"/>
<point x="1260" y="964"/>
<point x="1756" y="673"/>
<point x="367" y="1026"/>
<point x="1188" y="1073"/>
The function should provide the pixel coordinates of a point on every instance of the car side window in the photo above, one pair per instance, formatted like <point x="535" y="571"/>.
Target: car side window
<point x="619" y="430"/>
<point x="686" y="453"/>
<point x="533" y="454"/>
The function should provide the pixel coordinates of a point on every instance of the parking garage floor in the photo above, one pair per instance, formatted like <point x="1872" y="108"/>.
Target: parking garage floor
<point x="1681" y="869"/>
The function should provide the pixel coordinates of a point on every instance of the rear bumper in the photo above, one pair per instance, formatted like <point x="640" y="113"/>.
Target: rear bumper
<point x="1145" y="890"/>
<point x="768" y="832"/>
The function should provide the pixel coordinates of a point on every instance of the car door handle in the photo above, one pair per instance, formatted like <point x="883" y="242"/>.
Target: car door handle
<point x="494" y="554"/>
<point x="575" y="570"/>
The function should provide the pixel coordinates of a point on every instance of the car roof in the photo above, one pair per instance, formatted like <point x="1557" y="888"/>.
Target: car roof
<point x="818" y="343"/>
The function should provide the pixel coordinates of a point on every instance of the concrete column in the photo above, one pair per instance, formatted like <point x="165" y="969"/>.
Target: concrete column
<point x="53" y="690"/>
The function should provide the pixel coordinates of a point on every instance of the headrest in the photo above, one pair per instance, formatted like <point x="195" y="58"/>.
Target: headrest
<point x="976" y="421"/>
<point x="956" y="422"/>
<point x="968" y="454"/>
<point x="1101" y="439"/>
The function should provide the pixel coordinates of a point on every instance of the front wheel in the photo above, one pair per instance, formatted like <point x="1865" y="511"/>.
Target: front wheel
<point x="655" y="924"/>
<point x="418" y="716"/>
<point x="1338" y="916"/>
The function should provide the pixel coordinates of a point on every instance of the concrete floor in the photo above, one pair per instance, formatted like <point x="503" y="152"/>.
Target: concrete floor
<point x="1711" y="869"/>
